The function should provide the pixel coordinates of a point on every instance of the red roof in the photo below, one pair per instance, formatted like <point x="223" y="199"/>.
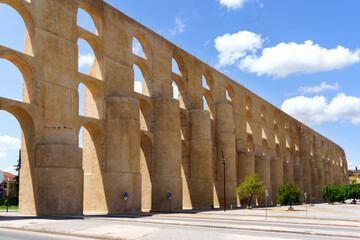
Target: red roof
<point x="9" y="175"/>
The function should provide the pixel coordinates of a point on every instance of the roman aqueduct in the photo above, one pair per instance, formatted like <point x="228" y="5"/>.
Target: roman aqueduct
<point x="146" y="144"/>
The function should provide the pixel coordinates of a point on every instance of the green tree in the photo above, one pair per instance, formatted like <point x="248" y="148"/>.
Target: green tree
<point x="353" y="191"/>
<point x="15" y="201"/>
<point x="289" y="193"/>
<point x="334" y="193"/>
<point x="252" y="187"/>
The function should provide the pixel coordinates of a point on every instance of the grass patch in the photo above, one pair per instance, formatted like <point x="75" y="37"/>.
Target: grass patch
<point x="10" y="207"/>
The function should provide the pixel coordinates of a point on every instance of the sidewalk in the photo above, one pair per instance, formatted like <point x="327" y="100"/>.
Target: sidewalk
<point x="321" y="220"/>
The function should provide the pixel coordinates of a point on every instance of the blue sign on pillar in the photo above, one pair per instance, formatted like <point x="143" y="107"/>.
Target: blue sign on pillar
<point x="1" y="192"/>
<point x="170" y="195"/>
<point x="125" y="196"/>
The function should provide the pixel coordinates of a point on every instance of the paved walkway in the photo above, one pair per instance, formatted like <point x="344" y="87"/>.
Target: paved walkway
<point x="339" y="220"/>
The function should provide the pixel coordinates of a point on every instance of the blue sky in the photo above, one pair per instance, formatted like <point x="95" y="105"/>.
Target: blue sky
<point x="301" y="56"/>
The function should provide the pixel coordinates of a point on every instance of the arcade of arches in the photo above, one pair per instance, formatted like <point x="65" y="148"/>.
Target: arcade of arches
<point x="147" y="144"/>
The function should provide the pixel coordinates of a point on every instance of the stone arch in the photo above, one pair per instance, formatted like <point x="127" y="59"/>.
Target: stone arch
<point x="29" y="89"/>
<point x="248" y="103"/>
<point x="208" y="79"/>
<point x="146" y="171"/>
<point x="145" y="115"/>
<point x="265" y="148"/>
<point x="263" y="128"/>
<point x="144" y="44"/>
<point x="288" y="156"/>
<point x="97" y="69"/>
<point x="249" y="122"/>
<point x="93" y="164"/>
<point x="94" y="14"/>
<point x="210" y="106"/>
<point x="184" y="122"/>
<point x="229" y="93"/>
<point x="182" y="92"/>
<point x="180" y="64"/>
<point x="146" y="81"/>
<point x="27" y="189"/>
<point x="276" y="134"/>
<point x="250" y="144"/>
<point x="20" y="7"/>
<point x="83" y="16"/>
<point x="277" y="151"/>
<point x="93" y="99"/>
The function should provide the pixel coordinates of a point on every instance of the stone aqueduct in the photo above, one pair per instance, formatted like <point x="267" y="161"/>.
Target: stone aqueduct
<point x="146" y="144"/>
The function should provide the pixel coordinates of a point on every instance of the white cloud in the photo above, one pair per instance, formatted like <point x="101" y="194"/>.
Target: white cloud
<point x="318" y="109"/>
<point x="291" y="58"/>
<point x="316" y="89"/>
<point x="179" y="27"/>
<point x="86" y="60"/>
<point x="138" y="86"/>
<point x="232" y="47"/>
<point x="8" y="143"/>
<point x="233" y="4"/>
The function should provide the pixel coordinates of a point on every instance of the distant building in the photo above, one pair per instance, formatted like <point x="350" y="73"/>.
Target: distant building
<point x="4" y="185"/>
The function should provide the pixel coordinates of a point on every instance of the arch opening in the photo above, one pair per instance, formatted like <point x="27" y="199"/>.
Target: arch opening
<point x="90" y="100"/>
<point x="229" y="93"/>
<point x="184" y="126"/>
<point x="146" y="171"/>
<point x="16" y="140"/>
<point x="140" y="46"/>
<point x="175" y="67"/>
<point x="207" y="81"/>
<point x="208" y="104"/>
<point x="250" y="144"/>
<point x="141" y="79"/>
<point x="18" y="82"/>
<point x="145" y="115"/>
<point x="277" y="151"/>
<point x="88" y="57"/>
<point x="85" y="21"/>
<point x="179" y="92"/>
<point x="20" y="27"/>
<point x="265" y="148"/>
<point x="91" y="142"/>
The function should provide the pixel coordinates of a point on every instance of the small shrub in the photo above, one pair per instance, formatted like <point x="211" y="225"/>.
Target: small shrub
<point x="288" y="194"/>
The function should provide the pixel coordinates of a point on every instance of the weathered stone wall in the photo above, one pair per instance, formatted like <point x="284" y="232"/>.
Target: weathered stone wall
<point x="145" y="144"/>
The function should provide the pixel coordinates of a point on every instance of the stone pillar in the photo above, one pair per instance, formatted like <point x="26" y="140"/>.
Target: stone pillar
<point x="288" y="172"/>
<point x="60" y="180"/>
<point x="57" y="175"/>
<point x="246" y="168"/>
<point x="226" y="142"/>
<point x="122" y="154"/>
<point x="246" y="165"/>
<point x="276" y="178"/>
<point x="298" y="176"/>
<point x="305" y="162"/>
<point x="167" y="148"/>
<point x="262" y="168"/>
<point x="201" y="184"/>
<point x="319" y="166"/>
<point x="326" y="171"/>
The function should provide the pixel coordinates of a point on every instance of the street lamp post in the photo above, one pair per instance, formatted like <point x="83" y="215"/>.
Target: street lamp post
<point x="223" y="163"/>
<point x="266" y="196"/>
<point x="7" y="195"/>
<point x="305" y="195"/>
